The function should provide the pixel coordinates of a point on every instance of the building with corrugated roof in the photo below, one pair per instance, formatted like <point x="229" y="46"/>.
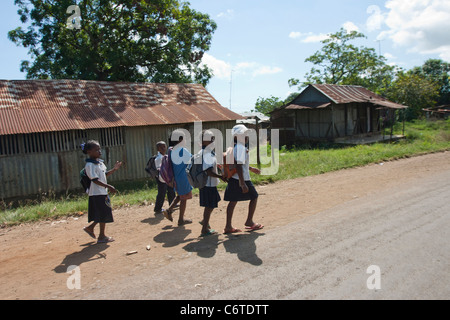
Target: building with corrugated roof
<point x="339" y="113"/>
<point x="43" y="123"/>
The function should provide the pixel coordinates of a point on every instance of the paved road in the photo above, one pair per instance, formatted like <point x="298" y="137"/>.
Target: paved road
<point x="404" y="231"/>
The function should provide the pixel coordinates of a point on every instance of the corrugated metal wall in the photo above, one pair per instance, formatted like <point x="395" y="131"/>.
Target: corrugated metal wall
<point x="23" y="174"/>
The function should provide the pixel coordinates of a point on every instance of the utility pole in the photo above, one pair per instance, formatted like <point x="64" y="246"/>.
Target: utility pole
<point x="379" y="47"/>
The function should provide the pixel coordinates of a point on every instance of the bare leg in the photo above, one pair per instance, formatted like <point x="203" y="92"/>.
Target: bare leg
<point x="230" y="210"/>
<point x="206" y="216"/>
<point x="90" y="229"/>
<point x="181" y="220"/>
<point x="169" y="211"/>
<point x="102" y="230"/>
<point x="251" y="212"/>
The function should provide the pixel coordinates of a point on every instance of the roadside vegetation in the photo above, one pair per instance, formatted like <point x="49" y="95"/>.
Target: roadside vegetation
<point x="422" y="137"/>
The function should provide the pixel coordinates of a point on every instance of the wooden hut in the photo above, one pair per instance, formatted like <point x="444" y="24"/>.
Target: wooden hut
<point x="43" y="123"/>
<point x="325" y="112"/>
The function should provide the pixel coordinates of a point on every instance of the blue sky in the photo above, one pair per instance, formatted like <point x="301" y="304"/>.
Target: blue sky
<point x="261" y="44"/>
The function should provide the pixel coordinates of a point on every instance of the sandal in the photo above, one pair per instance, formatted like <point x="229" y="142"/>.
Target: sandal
<point x="210" y="232"/>
<point x="105" y="240"/>
<point x="234" y="230"/>
<point x="255" y="226"/>
<point x="185" y="221"/>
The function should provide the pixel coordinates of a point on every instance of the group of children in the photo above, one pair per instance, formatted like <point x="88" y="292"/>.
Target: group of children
<point x="239" y="188"/>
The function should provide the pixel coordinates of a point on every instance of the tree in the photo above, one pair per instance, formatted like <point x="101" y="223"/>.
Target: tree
<point x="438" y="71"/>
<point x="415" y="91"/>
<point x="117" y="40"/>
<point x="267" y="105"/>
<point x="340" y="62"/>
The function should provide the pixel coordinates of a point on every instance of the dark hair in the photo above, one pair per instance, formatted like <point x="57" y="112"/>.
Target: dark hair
<point x="85" y="147"/>
<point x="159" y="144"/>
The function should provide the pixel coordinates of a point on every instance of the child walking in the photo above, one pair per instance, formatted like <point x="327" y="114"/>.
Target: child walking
<point x="163" y="188"/>
<point x="240" y="186"/>
<point x="180" y="157"/>
<point x="99" y="210"/>
<point x="209" y="196"/>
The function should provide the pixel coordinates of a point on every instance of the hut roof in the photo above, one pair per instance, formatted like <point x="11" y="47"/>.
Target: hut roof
<point x="28" y="106"/>
<point x="342" y="94"/>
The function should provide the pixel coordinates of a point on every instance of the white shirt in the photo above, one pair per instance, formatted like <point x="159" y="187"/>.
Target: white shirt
<point x="242" y="157"/>
<point x="210" y="161"/>
<point x="158" y="161"/>
<point x="96" y="171"/>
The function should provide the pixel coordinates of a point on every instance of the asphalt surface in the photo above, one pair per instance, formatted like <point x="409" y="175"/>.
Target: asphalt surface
<point x="404" y="231"/>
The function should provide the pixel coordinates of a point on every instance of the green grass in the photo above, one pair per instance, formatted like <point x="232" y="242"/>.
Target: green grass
<point x="421" y="137"/>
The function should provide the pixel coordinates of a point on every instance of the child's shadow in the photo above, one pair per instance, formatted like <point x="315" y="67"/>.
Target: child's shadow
<point x="90" y="252"/>
<point x="154" y="220"/>
<point x="244" y="246"/>
<point x="206" y="247"/>
<point x="174" y="237"/>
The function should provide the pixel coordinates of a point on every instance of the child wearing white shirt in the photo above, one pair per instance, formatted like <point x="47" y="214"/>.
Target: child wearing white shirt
<point x="99" y="211"/>
<point x="240" y="186"/>
<point x="209" y="196"/>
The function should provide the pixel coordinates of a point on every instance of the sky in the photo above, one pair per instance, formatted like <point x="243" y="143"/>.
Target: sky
<point x="260" y="44"/>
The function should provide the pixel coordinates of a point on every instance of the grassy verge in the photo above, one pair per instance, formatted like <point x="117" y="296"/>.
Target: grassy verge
<point x="421" y="137"/>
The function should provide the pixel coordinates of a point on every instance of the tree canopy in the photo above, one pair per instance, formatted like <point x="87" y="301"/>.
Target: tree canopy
<point x="341" y="62"/>
<point x="114" y="40"/>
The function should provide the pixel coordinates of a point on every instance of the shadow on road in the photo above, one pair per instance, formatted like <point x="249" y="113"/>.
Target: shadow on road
<point x="243" y="245"/>
<point x="174" y="237"/>
<point x="90" y="252"/>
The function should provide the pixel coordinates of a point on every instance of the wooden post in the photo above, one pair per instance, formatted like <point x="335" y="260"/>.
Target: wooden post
<point x="258" y="159"/>
<point x="332" y="122"/>
<point x="392" y="123"/>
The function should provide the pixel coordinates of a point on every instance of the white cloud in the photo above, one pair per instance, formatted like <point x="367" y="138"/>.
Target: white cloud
<point x="376" y="19"/>
<point x="389" y="56"/>
<point x="295" y="35"/>
<point x="227" y="14"/>
<point x="350" y="26"/>
<point x="422" y="25"/>
<point x="311" y="37"/>
<point x="308" y="37"/>
<point x="263" y="70"/>
<point x="222" y="69"/>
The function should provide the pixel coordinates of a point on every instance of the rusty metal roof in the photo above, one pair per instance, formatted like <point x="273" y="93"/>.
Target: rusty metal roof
<point x="308" y="105"/>
<point x="341" y="94"/>
<point x="28" y="106"/>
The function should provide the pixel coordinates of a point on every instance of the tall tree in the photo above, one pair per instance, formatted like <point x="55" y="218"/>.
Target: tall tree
<point x="415" y="91"/>
<point x="341" y="62"/>
<point x="114" y="40"/>
<point x="438" y="71"/>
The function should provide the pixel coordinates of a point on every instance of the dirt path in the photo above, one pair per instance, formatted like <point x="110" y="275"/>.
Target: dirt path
<point x="34" y="258"/>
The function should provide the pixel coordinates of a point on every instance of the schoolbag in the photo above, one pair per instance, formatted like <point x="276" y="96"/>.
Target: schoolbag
<point x="228" y="170"/>
<point x="196" y="175"/>
<point x="84" y="180"/>
<point x="166" y="170"/>
<point x="151" y="168"/>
